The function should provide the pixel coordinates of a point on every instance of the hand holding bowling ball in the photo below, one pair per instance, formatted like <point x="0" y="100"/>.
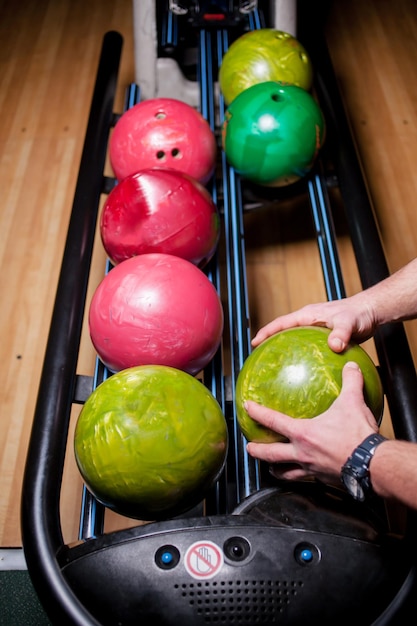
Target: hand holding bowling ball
<point x="295" y="372"/>
<point x="163" y="132"/>
<point x="272" y="133"/>
<point x="156" y="309"/>
<point x="150" y="441"/>
<point x="261" y="56"/>
<point x="160" y="210"/>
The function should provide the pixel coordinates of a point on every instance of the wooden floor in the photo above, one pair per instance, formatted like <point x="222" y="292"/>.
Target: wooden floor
<point x="49" y="52"/>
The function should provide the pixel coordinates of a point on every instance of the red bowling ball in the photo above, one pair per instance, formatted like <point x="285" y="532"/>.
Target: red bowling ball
<point x="156" y="309"/>
<point x="160" y="210"/>
<point x="163" y="132"/>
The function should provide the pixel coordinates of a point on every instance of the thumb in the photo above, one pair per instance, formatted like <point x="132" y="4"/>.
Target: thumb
<point x="352" y="379"/>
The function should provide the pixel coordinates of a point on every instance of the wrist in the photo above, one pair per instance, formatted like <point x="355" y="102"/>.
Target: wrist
<point x="355" y="473"/>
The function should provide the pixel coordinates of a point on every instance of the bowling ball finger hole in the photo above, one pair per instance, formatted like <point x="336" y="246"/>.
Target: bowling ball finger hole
<point x="175" y="153"/>
<point x="160" y="115"/>
<point x="276" y="97"/>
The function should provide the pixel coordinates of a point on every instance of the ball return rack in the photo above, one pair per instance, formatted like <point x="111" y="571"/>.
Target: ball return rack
<point x="256" y="551"/>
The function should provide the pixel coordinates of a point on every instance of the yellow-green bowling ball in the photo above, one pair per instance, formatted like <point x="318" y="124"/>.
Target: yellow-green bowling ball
<point x="150" y="441"/>
<point x="295" y="372"/>
<point x="263" y="55"/>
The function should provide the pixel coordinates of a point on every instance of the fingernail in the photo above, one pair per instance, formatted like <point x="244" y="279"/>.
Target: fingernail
<point x="338" y="343"/>
<point x="245" y="405"/>
<point x="352" y="365"/>
<point x="272" y="471"/>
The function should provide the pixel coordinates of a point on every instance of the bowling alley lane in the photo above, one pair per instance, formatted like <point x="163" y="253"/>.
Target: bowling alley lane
<point x="49" y="57"/>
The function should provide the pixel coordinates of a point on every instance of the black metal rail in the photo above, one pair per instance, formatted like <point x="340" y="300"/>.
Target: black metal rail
<point x="41" y="525"/>
<point x="396" y="362"/>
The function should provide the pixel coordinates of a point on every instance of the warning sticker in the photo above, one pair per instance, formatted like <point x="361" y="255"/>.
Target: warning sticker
<point x="203" y="560"/>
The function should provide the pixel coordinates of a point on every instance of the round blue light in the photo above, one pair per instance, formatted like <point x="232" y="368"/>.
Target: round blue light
<point x="306" y="555"/>
<point x="166" y="558"/>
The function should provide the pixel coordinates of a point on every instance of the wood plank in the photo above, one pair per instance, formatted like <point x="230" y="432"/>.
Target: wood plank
<point x="49" y="57"/>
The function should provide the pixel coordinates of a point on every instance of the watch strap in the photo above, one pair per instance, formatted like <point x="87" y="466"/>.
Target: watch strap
<point x="366" y="449"/>
<point x="357" y="464"/>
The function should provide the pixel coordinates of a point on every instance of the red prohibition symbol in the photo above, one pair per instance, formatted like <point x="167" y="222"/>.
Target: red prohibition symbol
<point x="203" y="560"/>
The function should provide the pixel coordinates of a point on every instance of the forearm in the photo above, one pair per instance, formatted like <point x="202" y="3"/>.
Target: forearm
<point x="355" y="317"/>
<point x="393" y="471"/>
<point x="395" y="298"/>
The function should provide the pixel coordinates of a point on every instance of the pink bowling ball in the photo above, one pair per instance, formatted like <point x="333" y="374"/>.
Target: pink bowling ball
<point x="163" y="132"/>
<point x="156" y="309"/>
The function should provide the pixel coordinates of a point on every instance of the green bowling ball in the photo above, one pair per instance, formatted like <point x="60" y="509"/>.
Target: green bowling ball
<point x="150" y="441"/>
<point x="272" y="133"/>
<point x="264" y="55"/>
<point x="296" y="372"/>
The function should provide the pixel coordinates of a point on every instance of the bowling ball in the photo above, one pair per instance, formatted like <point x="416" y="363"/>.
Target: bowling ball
<point x="272" y="133"/>
<point x="163" y="132"/>
<point x="261" y="56"/>
<point x="156" y="309"/>
<point x="295" y="372"/>
<point x="160" y="210"/>
<point x="150" y="441"/>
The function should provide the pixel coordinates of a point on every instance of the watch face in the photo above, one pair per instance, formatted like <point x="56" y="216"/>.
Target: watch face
<point x="353" y="486"/>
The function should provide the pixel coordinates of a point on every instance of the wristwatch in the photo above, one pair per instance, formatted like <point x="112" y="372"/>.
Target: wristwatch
<point x="355" y="472"/>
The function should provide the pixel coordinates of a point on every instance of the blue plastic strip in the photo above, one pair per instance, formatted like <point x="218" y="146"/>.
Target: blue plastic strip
<point x="326" y="239"/>
<point x="256" y="20"/>
<point x="247" y="469"/>
<point x="92" y="512"/>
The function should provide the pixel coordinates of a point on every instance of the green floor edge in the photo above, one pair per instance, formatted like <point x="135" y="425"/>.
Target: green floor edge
<point x="19" y="603"/>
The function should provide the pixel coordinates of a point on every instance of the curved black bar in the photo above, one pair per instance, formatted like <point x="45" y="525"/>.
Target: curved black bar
<point x="41" y="528"/>
<point x="397" y="367"/>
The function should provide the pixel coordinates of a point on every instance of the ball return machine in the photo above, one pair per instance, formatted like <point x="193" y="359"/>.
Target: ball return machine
<point x="256" y="551"/>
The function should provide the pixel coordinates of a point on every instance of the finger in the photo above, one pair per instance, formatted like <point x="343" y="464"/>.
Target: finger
<point x="296" y="472"/>
<point x="265" y="332"/>
<point x="339" y="338"/>
<point x="280" y="323"/>
<point x="336" y="343"/>
<point x="272" y="452"/>
<point x="311" y="315"/>
<point x="276" y="421"/>
<point x="287" y="471"/>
